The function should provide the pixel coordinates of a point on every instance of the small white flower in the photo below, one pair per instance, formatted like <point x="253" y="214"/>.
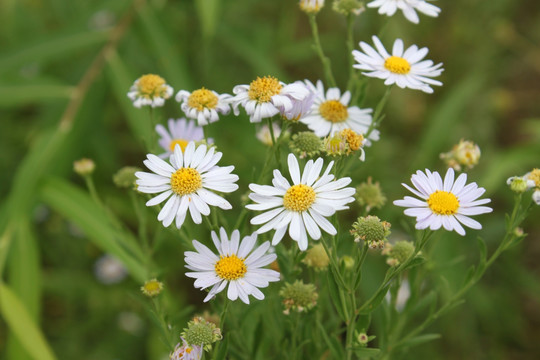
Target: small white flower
<point x="302" y="206"/>
<point x="409" y="8"/>
<point x="444" y="204"/>
<point x="236" y="265"/>
<point x="404" y="68"/>
<point x="267" y="96"/>
<point x="264" y="135"/>
<point x="331" y="113"/>
<point x="204" y="105"/>
<point x="109" y="270"/>
<point x="300" y="107"/>
<point x="311" y="6"/>
<point x="150" y="90"/>
<point x="185" y="351"/>
<point x="186" y="183"/>
<point x="180" y="132"/>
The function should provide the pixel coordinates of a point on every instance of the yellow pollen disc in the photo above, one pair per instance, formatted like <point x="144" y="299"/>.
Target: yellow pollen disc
<point x="443" y="203"/>
<point x="152" y="286"/>
<point x="230" y="267"/>
<point x="334" y="111"/>
<point x="188" y="350"/>
<point x="151" y="85"/>
<point x="183" y="144"/>
<point x="202" y="99"/>
<point x="186" y="181"/>
<point x="535" y="176"/>
<point x="299" y="198"/>
<point x="397" y="65"/>
<point x="263" y="88"/>
<point x="354" y="140"/>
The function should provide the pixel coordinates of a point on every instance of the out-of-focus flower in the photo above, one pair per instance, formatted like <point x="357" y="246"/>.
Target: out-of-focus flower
<point x="370" y="195"/>
<point x="150" y="90"/>
<point x="406" y="68"/>
<point x="109" y="270"/>
<point x="298" y="296"/>
<point x="184" y="351"/>
<point x="409" y="8"/>
<point x="311" y="6"/>
<point x="317" y="258"/>
<point x="180" y="132"/>
<point x="125" y="177"/>
<point x="84" y="167"/>
<point x="347" y="7"/>
<point x="301" y="208"/>
<point x="238" y="266"/>
<point x="203" y="105"/>
<point x="398" y="252"/>
<point x="464" y="154"/>
<point x="152" y="288"/>
<point x="264" y="135"/>
<point x="444" y="204"/>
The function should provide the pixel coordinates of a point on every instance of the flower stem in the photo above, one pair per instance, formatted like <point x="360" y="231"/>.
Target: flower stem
<point x="324" y="59"/>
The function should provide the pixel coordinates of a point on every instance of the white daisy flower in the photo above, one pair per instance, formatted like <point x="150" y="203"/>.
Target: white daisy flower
<point x="150" y="90"/>
<point x="409" y="8"/>
<point x="180" y="132"/>
<point x="236" y="265"/>
<point x="331" y="113"/>
<point x="266" y="97"/>
<point x="300" y="107"/>
<point x="445" y="204"/>
<point x="404" y="68"/>
<point x="186" y="183"/>
<point x="203" y="105"/>
<point x="185" y="351"/>
<point x="302" y="206"/>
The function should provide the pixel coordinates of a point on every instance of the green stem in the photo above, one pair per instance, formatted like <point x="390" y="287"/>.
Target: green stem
<point x="163" y="323"/>
<point x="92" y="189"/>
<point x="377" y="118"/>
<point x="350" y="47"/>
<point x="318" y="47"/>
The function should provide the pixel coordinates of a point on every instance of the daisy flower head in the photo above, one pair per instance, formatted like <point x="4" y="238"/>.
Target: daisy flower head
<point x="409" y="8"/>
<point x="311" y="6"/>
<point x="302" y="207"/>
<point x="185" y="351"/>
<point x="180" y="132"/>
<point x="404" y="68"/>
<point x="203" y="105"/>
<point x="331" y="113"/>
<point x="188" y="181"/>
<point x="448" y="204"/>
<point x="266" y="96"/>
<point x="237" y="265"/>
<point x="150" y="90"/>
<point x="301" y="107"/>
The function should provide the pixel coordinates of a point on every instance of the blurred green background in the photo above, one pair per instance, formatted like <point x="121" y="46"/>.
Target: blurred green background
<point x="66" y="66"/>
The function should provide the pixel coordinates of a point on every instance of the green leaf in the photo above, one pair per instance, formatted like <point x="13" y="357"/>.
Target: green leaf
<point x="418" y="260"/>
<point x="333" y="344"/>
<point x="17" y="95"/>
<point x="20" y="322"/>
<point x="418" y="340"/>
<point x="376" y="300"/>
<point x="77" y="206"/>
<point x="222" y="349"/>
<point x="366" y="352"/>
<point x="56" y="47"/>
<point x="334" y="294"/>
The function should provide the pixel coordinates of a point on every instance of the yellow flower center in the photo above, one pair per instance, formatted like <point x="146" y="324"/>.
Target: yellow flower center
<point x="535" y="176"/>
<point x="202" y="99"/>
<point x="443" y="203"/>
<point x="397" y="65"/>
<point x="263" y="88"/>
<point x="354" y="140"/>
<point x="188" y="350"/>
<point x="230" y="267"/>
<point x="183" y="144"/>
<point x="186" y="181"/>
<point x="299" y="198"/>
<point x="151" y="85"/>
<point x="334" y="111"/>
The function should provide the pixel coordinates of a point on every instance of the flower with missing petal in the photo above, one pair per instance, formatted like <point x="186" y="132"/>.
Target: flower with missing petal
<point x="186" y="181"/>
<point x="445" y="204"/>
<point x="203" y="105"/>
<point x="404" y="68"/>
<point x="331" y="113"/>
<point x="236" y="265"/>
<point x="409" y="8"/>
<point x="180" y="132"/>
<point x="303" y="206"/>
<point x="266" y="96"/>
<point x="150" y="90"/>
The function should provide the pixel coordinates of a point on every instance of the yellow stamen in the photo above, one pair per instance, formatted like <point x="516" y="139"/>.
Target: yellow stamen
<point x="354" y="140"/>
<point x="535" y="176"/>
<point x="151" y="85"/>
<point x="230" y="267"/>
<point x="183" y="144"/>
<point x="334" y="111"/>
<point x="397" y="65"/>
<point x="202" y="99"/>
<point x="299" y="198"/>
<point x="443" y="203"/>
<point x="263" y="88"/>
<point x="186" y="181"/>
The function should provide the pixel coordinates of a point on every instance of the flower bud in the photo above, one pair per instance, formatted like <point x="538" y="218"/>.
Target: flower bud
<point x="372" y="230"/>
<point x="152" y="288"/>
<point x="370" y="195"/>
<point x="125" y="177"/>
<point x="298" y="296"/>
<point x="306" y="144"/>
<point x="317" y="258"/>
<point x="84" y="167"/>
<point x="464" y="154"/>
<point x="311" y="6"/>
<point x="201" y="332"/>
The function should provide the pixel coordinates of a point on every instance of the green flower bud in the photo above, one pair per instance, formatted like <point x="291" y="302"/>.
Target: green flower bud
<point x="317" y="258"/>
<point x="306" y="143"/>
<point x="399" y="252"/>
<point x="370" y="195"/>
<point x="125" y="177"/>
<point x="84" y="167"/>
<point x="202" y="333"/>
<point x="298" y="296"/>
<point x="347" y="7"/>
<point x="372" y="230"/>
